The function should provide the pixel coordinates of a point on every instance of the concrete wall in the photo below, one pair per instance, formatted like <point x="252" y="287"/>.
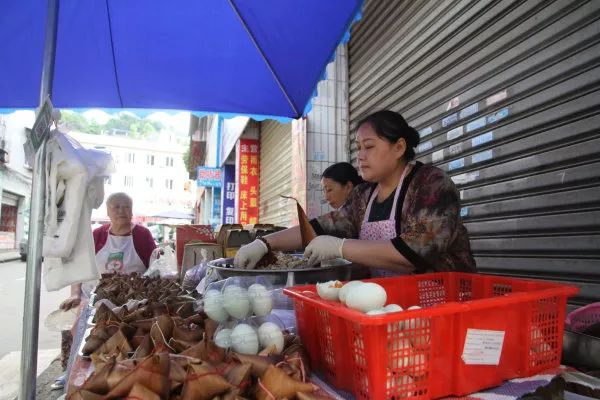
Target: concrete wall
<point x="327" y="130"/>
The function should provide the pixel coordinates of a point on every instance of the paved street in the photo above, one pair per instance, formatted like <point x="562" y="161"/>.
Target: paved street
<point x="12" y="286"/>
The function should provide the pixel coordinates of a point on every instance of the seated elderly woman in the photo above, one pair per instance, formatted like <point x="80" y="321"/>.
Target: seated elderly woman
<point x="121" y="247"/>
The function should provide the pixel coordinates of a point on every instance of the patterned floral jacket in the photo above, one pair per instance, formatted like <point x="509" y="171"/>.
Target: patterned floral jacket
<point x="430" y="231"/>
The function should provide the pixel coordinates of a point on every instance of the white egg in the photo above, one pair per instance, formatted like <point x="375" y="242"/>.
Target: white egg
<point x="418" y="364"/>
<point x="399" y="351"/>
<point x="329" y="290"/>
<point x="256" y="290"/>
<point x="244" y="339"/>
<point x="223" y="338"/>
<point x="366" y="297"/>
<point x="401" y="386"/>
<point x="230" y="289"/>
<point x="213" y="293"/>
<point x="213" y="307"/>
<point x="346" y="288"/>
<point x="262" y="305"/>
<point x="379" y="311"/>
<point x="390" y="308"/>
<point x="269" y="334"/>
<point x="418" y="329"/>
<point x="236" y="302"/>
<point x="540" y="351"/>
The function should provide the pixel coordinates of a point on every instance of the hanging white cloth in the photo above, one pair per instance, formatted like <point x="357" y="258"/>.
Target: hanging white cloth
<point x="74" y="186"/>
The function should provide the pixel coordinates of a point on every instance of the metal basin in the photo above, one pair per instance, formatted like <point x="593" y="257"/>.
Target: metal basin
<point x="580" y="350"/>
<point x="331" y="270"/>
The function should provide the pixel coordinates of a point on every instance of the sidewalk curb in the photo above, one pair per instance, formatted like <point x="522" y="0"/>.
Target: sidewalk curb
<point x="17" y="258"/>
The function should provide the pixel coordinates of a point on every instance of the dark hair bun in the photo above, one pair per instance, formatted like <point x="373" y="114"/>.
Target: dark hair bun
<point x="342" y="173"/>
<point x="392" y="126"/>
<point x="412" y="138"/>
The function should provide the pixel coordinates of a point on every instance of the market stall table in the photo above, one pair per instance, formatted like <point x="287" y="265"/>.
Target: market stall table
<point x="81" y="367"/>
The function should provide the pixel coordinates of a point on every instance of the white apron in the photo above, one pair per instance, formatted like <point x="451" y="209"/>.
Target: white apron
<point x="386" y="229"/>
<point x="117" y="256"/>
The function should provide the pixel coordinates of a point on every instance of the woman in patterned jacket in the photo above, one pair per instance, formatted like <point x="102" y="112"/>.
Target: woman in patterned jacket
<point x="404" y="219"/>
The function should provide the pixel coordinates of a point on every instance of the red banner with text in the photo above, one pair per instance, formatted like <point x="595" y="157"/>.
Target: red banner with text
<point x="249" y="171"/>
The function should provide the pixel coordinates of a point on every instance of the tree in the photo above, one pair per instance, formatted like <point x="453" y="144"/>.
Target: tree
<point x="75" y="121"/>
<point x="186" y="159"/>
<point x="135" y="127"/>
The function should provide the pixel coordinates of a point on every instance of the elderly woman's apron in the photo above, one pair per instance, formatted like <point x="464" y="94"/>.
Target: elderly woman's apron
<point x="118" y="255"/>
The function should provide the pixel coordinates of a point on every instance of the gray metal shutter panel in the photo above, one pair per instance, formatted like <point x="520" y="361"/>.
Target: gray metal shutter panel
<point x="523" y="146"/>
<point x="275" y="173"/>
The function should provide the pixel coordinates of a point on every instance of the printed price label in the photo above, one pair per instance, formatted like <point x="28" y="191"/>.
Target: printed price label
<point x="483" y="347"/>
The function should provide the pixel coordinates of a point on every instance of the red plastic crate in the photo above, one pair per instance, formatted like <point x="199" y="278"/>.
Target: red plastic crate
<point x="418" y="354"/>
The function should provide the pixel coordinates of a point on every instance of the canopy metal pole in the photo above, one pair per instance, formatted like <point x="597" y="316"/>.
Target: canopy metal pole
<point x="31" y="309"/>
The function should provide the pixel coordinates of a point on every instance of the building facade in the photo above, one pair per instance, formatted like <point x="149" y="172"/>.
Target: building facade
<point x="271" y="159"/>
<point x="152" y="173"/>
<point x="15" y="179"/>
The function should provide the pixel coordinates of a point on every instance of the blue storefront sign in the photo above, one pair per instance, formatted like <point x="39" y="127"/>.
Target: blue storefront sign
<point x="216" y="209"/>
<point x="228" y="216"/>
<point x="208" y="177"/>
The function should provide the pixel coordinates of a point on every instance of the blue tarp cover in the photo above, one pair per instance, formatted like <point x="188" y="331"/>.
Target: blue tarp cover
<point x="250" y="57"/>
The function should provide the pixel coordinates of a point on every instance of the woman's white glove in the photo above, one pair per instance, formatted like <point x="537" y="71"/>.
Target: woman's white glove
<point x="248" y="255"/>
<point x="323" y="248"/>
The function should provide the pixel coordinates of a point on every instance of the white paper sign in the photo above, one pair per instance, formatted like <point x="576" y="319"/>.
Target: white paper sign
<point x="483" y="347"/>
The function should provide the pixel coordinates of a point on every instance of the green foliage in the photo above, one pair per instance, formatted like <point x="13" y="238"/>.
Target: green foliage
<point x="186" y="159"/>
<point x="137" y="128"/>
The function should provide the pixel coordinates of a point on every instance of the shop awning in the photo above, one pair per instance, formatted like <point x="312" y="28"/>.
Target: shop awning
<point x="228" y="56"/>
<point x="174" y="214"/>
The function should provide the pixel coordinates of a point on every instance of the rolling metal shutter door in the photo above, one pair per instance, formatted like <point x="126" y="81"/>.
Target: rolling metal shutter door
<point x="275" y="173"/>
<point x="10" y="199"/>
<point x="523" y="146"/>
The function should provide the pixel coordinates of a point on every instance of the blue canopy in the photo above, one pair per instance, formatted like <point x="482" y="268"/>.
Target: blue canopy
<point x="252" y="57"/>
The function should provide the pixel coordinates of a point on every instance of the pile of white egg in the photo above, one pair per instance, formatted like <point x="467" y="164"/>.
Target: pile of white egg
<point x="238" y="302"/>
<point x="245" y="338"/>
<point x="243" y="308"/>
<point x="358" y="295"/>
<point x="407" y="339"/>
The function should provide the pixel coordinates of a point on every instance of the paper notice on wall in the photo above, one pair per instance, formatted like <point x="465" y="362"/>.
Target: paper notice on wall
<point x="503" y="94"/>
<point x="455" y="102"/>
<point x="483" y="347"/>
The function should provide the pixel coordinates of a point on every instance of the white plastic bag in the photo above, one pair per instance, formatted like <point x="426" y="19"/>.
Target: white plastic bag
<point x="74" y="186"/>
<point x="163" y="263"/>
<point x="60" y="320"/>
<point x="194" y="275"/>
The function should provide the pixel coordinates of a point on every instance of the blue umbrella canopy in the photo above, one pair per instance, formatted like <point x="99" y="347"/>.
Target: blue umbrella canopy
<point x="252" y="57"/>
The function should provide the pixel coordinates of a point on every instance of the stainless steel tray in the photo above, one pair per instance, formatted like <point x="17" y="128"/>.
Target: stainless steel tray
<point x="337" y="269"/>
<point x="580" y="350"/>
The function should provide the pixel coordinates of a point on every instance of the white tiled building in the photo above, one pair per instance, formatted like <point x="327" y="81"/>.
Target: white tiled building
<point x="15" y="178"/>
<point x="153" y="173"/>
